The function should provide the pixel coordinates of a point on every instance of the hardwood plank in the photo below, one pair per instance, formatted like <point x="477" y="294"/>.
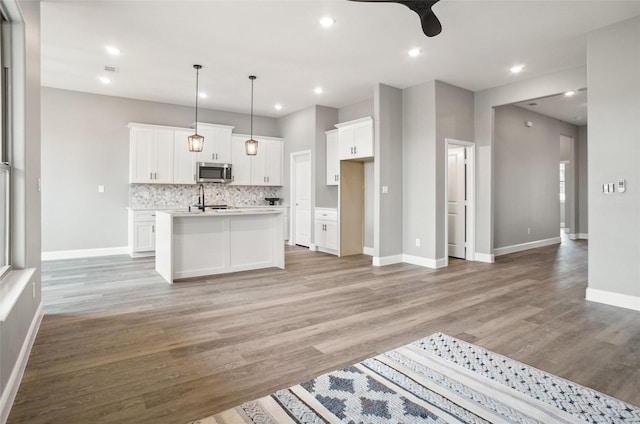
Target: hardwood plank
<point x="117" y="344"/>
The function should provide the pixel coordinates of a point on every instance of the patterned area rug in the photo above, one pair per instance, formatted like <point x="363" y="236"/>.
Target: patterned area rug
<point x="438" y="379"/>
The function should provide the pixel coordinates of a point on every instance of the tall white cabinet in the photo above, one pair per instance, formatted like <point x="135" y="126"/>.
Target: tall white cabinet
<point x="333" y="161"/>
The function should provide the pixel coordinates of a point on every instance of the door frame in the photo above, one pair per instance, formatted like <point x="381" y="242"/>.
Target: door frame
<point x="470" y="183"/>
<point x="294" y="157"/>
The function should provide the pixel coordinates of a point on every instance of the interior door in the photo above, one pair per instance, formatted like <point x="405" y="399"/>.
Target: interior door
<point x="302" y="192"/>
<point x="456" y="189"/>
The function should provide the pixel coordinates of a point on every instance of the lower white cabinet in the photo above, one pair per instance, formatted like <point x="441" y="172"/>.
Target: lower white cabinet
<point x="142" y="233"/>
<point x="326" y="230"/>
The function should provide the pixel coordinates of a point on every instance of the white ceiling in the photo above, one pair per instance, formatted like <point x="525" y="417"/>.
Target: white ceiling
<point x="283" y="44"/>
<point x="571" y="109"/>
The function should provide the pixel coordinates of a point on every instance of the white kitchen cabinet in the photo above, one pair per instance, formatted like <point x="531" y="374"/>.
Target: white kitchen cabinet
<point x="217" y="143"/>
<point x="184" y="161"/>
<point x="355" y="139"/>
<point x="240" y="162"/>
<point x="150" y="154"/>
<point x="326" y="230"/>
<point x="142" y="232"/>
<point x="263" y="169"/>
<point x="333" y="162"/>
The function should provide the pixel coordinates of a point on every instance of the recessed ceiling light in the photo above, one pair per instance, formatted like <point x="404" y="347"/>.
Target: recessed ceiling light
<point x="112" y="50"/>
<point x="104" y="80"/>
<point x="517" y="69"/>
<point x="415" y="52"/>
<point x="203" y="95"/>
<point x="569" y="93"/>
<point x="278" y="106"/>
<point x="327" y="22"/>
<point x="318" y="90"/>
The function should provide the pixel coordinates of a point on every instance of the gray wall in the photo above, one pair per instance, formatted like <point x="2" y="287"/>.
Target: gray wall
<point x="85" y="143"/>
<point x="614" y="149"/>
<point x="25" y="158"/>
<point x="454" y="119"/>
<point x="356" y="111"/>
<point x="582" y="200"/>
<point x="485" y="101"/>
<point x="388" y="171"/>
<point x="432" y="112"/>
<point x="526" y="175"/>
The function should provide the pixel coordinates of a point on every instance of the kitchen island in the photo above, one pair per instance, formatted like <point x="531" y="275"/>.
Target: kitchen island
<point x="197" y="244"/>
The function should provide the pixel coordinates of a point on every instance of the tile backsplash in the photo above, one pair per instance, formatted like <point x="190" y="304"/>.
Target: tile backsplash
<point x="169" y="195"/>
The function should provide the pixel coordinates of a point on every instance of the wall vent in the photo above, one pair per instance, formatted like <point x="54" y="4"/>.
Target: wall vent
<point x="532" y="104"/>
<point x="111" y="69"/>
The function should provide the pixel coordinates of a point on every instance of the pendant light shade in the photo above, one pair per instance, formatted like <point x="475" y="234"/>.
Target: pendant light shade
<point x="251" y="145"/>
<point x="196" y="141"/>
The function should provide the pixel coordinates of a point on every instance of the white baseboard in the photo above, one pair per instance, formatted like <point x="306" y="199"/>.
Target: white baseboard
<point x="525" y="246"/>
<point x="9" y="394"/>
<point x="484" y="257"/>
<point x="614" y="299"/>
<point x="425" y="262"/>
<point x="84" y="253"/>
<point x="583" y="236"/>
<point x="368" y="251"/>
<point x="387" y="260"/>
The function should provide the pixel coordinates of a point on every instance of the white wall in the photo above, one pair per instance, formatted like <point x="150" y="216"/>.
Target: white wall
<point x="356" y="111"/>
<point x="613" y="149"/>
<point x="526" y="176"/>
<point x="85" y="143"/>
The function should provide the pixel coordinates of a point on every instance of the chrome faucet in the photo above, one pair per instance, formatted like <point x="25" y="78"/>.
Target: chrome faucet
<point x="201" y="197"/>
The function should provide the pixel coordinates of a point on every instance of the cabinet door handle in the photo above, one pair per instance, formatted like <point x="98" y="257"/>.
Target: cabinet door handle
<point x="151" y="175"/>
<point x="355" y="150"/>
<point x="153" y="228"/>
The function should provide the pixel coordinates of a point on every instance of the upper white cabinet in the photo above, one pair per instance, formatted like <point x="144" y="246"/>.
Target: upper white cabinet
<point x="217" y="143"/>
<point x="333" y="162"/>
<point x="184" y="161"/>
<point x="263" y="169"/>
<point x="355" y="139"/>
<point x="150" y="154"/>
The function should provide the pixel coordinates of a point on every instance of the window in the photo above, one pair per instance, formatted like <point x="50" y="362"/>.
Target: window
<point x="5" y="151"/>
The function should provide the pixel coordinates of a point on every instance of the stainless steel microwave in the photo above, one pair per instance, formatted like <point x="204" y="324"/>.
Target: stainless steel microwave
<point x="207" y="172"/>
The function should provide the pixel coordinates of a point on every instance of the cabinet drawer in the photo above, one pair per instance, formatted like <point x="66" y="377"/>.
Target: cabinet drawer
<point x="144" y="215"/>
<point x="326" y="214"/>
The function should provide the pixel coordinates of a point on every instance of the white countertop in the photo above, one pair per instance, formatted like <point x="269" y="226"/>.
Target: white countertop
<point x="184" y="208"/>
<point x="222" y="212"/>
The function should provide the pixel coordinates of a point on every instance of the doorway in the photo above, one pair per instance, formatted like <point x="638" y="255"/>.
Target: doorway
<point x="301" y="198"/>
<point x="459" y="199"/>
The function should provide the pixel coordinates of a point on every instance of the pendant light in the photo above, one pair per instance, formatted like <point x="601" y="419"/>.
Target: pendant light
<point x="196" y="141"/>
<point x="251" y="145"/>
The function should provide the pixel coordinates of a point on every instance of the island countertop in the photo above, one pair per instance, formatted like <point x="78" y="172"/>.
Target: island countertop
<point x="196" y="244"/>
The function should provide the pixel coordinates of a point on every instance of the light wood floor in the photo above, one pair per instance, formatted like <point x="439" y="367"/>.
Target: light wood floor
<point x="119" y="345"/>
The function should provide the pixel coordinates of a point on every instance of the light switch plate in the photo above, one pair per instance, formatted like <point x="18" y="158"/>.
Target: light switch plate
<point x="385" y="189"/>
<point x="100" y="189"/>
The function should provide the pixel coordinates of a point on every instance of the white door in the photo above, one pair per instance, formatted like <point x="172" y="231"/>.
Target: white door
<point x="456" y="202"/>
<point x="302" y="199"/>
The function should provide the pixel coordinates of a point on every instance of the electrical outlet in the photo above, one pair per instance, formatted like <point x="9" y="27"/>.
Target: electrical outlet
<point x="100" y="189"/>
<point x="385" y="189"/>
<point x="417" y="242"/>
<point x="529" y="231"/>
<point x="33" y="286"/>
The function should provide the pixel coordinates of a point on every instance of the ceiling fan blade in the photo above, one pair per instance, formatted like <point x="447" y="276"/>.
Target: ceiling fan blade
<point x="430" y="23"/>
